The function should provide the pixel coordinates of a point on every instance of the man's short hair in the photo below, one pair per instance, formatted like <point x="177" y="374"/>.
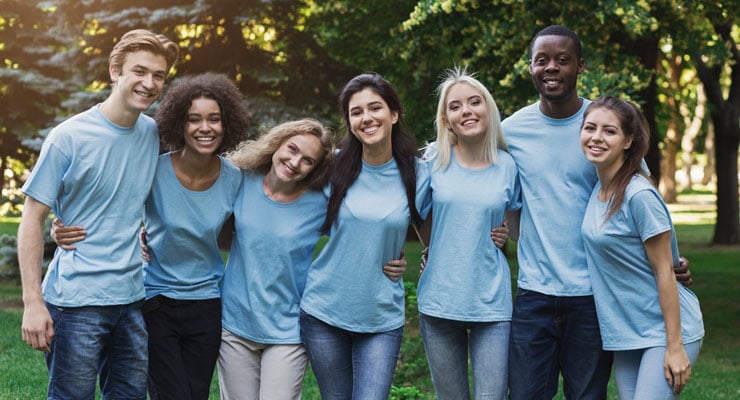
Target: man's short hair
<point x="142" y="39"/>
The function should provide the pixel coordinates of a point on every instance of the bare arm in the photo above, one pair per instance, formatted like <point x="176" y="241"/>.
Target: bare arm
<point x="676" y="364"/>
<point x="37" y="326"/>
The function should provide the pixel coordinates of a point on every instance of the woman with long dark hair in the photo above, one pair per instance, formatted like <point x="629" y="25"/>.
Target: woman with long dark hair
<point x="352" y="314"/>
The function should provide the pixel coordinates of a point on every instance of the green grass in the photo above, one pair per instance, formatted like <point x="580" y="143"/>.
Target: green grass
<point x="716" y="272"/>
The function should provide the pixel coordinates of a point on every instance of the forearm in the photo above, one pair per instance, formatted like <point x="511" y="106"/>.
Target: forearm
<point x="669" y="305"/>
<point x="31" y="251"/>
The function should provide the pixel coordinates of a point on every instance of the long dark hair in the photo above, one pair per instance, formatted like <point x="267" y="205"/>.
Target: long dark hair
<point x="635" y="126"/>
<point x="348" y="163"/>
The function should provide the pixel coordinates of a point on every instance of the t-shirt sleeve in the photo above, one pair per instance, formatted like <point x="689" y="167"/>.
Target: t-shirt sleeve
<point x="649" y="214"/>
<point x="46" y="181"/>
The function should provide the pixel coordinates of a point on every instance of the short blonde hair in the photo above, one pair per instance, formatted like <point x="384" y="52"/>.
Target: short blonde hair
<point x="142" y="39"/>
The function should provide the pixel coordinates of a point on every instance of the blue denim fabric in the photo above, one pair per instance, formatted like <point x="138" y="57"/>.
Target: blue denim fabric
<point x="552" y="335"/>
<point x="639" y="373"/>
<point x="109" y="341"/>
<point x="447" y="343"/>
<point x="350" y="365"/>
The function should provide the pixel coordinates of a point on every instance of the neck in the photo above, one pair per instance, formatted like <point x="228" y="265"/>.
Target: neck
<point x="470" y="154"/>
<point x="562" y="108"/>
<point x="281" y="191"/>
<point x="117" y="113"/>
<point x="195" y="171"/>
<point x="606" y="175"/>
<point x="377" y="155"/>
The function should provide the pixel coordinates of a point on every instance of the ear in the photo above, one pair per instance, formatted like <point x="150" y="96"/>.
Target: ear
<point x="114" y="73"/>
<point x="394" y="116"/>
<point x="628" y="144"/>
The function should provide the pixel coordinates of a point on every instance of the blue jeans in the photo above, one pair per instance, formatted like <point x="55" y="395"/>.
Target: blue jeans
<point x="551" y="335"/>
<point x="447" y="343"/>
<point x="107" y="340"/>
<point x="639" y="373"/>
<point x="350" y="365"/>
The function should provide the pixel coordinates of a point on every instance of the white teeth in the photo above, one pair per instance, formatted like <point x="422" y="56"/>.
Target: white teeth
<point x="205" y="139"/>
<point x="370" y="130"/>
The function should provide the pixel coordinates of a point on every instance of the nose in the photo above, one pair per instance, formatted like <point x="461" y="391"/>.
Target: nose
<point x="552" y="65"/>
<point x="148" y="81"/>
<point x="204" y="126"/>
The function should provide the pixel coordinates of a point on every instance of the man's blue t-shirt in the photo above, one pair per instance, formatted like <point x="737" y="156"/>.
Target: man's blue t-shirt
<point x="96" y="174"/>
<point x="556" y="181"/>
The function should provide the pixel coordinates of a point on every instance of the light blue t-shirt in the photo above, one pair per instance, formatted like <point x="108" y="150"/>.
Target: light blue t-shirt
<point x="182" y="228"/>
<point x="557" y="181"/>
<point x="346" y="287"/>
<point x="270" y="256"/>
<point x="625" y="290"/>
<point x="467" y="277"/>
<point x="96" y="174"/>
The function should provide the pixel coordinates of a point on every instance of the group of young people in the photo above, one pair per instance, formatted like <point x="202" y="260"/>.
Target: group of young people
<point x="596" y="247"/>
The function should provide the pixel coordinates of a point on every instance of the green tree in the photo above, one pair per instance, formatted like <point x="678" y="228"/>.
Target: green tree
<point x="30" y="82"/>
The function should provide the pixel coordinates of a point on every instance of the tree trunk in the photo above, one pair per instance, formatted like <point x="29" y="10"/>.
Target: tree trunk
<point x="725" y="114"/>
<point x="727" y="228"/>
<point x="691" y="133"/>
<point x="708" y="176"/>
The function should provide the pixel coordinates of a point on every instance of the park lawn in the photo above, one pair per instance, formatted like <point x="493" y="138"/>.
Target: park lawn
<point x="716" y="374"/>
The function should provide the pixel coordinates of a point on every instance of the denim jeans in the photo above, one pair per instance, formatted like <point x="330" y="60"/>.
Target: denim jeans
<point x="350" y="365"/>
<point x="107" y="340"/>
<point x="639" y="373"/>
<point x="551" y="335"/>
<point x="184" y="338"/>
<point x="447" y="343"/>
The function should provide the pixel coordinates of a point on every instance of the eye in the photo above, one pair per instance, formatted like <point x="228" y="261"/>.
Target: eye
<point x="159" y="77"/>
<point x="309" y="161"/>
<point x="194" y="120"/>
<point x="476" y="102"/>
<point x="214" y="120"/>
<point x="138" y="71"/>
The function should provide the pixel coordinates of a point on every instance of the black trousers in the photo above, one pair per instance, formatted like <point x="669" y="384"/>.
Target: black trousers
<point x="184" y="339"/>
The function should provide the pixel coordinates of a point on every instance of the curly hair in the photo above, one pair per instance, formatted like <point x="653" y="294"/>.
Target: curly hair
<point x="171" y="116"/>
<point x="256" y="155"/>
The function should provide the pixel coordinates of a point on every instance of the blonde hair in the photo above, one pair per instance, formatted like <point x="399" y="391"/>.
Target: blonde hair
<point x="494" y="135"/>
<point x="142" y="39"/>
<point x="256" y="155"/>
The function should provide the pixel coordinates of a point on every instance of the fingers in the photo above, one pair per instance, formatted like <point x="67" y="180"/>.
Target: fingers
<point x="394" y="273"/>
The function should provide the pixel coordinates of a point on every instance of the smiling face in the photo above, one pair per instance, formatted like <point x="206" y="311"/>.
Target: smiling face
<point x="371" y="120"/>
<point x="296" y="157"/>
<point x="466" y="112"/>
<point x="555" y="67"/>
<point x="138" y="82"/>
<point x="203" y="129"/>
<point x="603" y="140"/>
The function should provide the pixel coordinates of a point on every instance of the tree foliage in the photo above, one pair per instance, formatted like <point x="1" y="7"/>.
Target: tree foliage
<point x="291" y="57"/>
